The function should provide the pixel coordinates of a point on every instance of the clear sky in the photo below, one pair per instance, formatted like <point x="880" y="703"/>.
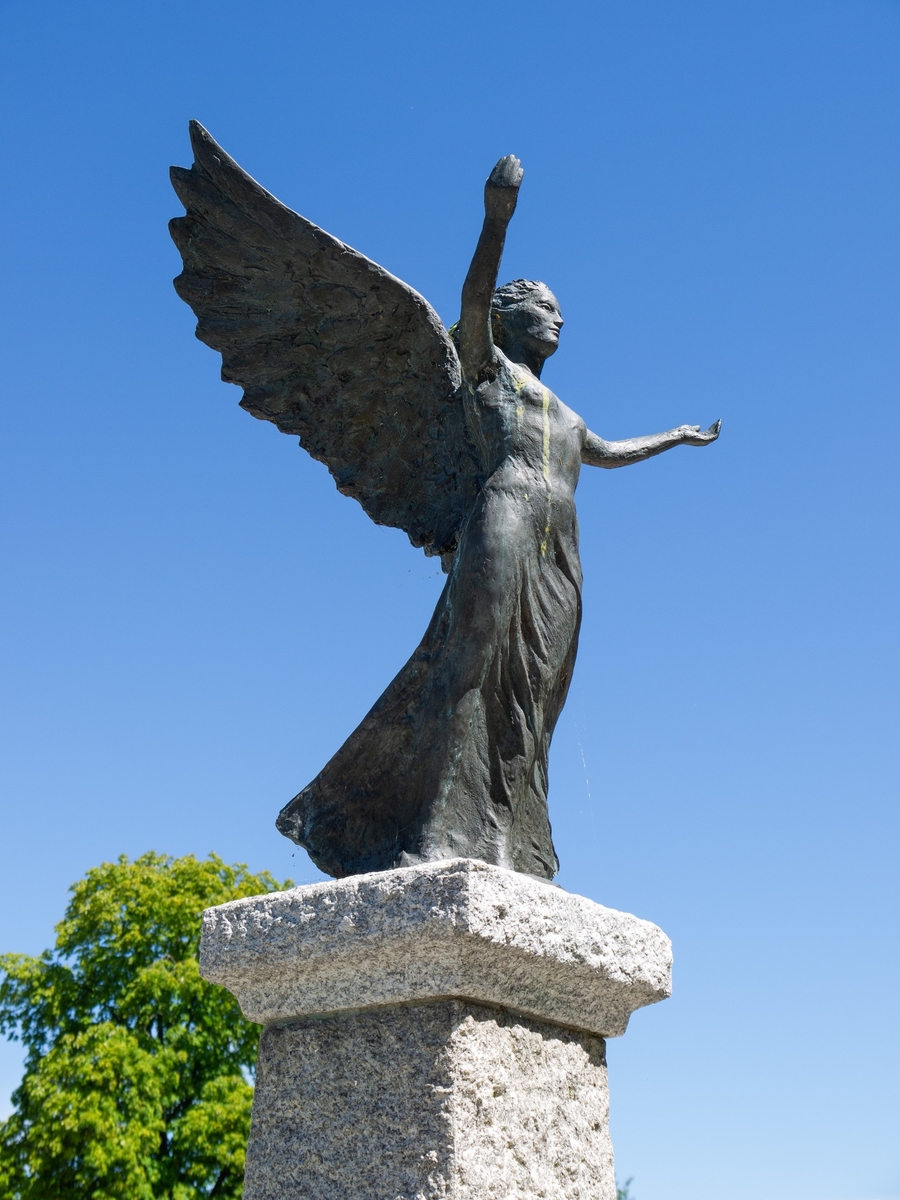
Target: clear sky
<point x="193" y="619"/>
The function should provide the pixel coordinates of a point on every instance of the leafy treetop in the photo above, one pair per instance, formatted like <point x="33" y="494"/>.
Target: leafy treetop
<point x="136" y="1071"/>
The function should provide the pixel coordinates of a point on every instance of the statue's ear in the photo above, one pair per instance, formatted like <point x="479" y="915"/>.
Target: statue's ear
<point x="498" y="333"/>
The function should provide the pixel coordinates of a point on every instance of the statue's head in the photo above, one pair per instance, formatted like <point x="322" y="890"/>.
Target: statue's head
<point x="525" y="315"/>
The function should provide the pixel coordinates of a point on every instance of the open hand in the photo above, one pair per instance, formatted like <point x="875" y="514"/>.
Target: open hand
<point x="502" y="188"/>
<point x="691" y="435"/>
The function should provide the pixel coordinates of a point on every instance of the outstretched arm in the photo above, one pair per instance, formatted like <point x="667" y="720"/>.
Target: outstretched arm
<point x="598" y="453"/>
<point x="476" y="346"/>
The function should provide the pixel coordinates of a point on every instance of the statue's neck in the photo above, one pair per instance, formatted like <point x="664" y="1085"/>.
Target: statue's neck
<point x="526" y="356"/>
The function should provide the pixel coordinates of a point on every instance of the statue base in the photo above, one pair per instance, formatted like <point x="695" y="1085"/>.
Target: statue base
<point x="432" y="1031"/>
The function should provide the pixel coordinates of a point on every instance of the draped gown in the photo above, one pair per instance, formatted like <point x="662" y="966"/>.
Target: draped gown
<point x="452" y="759"/>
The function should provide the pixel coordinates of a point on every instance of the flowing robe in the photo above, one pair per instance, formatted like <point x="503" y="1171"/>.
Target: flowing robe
<point x="451" y="761"/>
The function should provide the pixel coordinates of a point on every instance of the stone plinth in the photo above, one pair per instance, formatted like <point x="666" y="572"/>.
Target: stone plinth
<point x="434" y="1031"/>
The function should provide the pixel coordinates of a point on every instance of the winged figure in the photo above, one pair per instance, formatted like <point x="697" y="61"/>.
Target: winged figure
<point x="452" y="437"/>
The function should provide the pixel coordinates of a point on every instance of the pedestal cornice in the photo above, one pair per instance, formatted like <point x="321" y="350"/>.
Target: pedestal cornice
<point x="454" y="929"/>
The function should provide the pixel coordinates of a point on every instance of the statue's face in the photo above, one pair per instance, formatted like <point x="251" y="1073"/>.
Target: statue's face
<point x="535" y="322"/>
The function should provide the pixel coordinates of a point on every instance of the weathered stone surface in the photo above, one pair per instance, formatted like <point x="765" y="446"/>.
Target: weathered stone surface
<point x="433" y="1033"/>
<point x="457" y="928"/>
<point x="449" y="1099"/>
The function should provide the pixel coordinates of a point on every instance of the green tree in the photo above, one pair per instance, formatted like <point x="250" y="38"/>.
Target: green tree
<point x="136" y="1071"/>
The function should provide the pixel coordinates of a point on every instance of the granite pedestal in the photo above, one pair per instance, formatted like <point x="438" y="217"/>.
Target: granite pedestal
<point x="433" y="1031"/>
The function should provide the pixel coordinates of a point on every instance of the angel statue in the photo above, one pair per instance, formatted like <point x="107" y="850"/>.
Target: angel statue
<point x="452" y="437"/>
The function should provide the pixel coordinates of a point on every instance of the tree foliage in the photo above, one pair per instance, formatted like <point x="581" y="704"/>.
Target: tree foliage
<point x="136" y="1072"/>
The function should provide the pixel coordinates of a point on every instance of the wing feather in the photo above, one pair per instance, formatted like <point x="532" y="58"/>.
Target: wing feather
<point x="328" y="346"/>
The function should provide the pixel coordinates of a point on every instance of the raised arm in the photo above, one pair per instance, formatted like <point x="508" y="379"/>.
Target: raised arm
<point x="476" y="346"/>
<point x="598" y="453"/>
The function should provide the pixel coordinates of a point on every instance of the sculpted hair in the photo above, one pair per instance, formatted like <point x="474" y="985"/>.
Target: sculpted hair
<point x="511" y="294"/>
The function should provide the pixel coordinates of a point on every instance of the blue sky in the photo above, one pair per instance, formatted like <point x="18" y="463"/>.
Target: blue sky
<point x="193" y="619"/>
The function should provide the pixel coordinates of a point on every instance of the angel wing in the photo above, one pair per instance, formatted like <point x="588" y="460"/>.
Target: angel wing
<point x="329" y="346"/>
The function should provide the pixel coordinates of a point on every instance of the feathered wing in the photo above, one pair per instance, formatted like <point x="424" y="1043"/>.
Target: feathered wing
<point x="328" y="346"/>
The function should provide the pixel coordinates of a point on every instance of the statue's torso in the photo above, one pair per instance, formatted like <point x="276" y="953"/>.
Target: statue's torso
<point x="530" y="445"/>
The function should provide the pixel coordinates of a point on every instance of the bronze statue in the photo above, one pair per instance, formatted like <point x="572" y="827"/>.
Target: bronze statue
<point x="453" y="438"/>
